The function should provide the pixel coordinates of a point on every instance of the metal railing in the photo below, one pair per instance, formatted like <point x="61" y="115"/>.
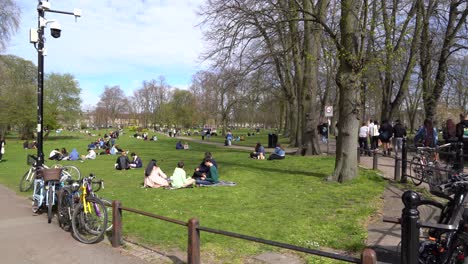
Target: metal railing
<point x="368" y="256"/>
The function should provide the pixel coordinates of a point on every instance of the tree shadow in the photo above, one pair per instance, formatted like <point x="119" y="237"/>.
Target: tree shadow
<point x="54" y="138"/>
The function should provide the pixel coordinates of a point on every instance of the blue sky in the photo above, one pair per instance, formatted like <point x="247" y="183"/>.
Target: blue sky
<point x="117" y="42"/>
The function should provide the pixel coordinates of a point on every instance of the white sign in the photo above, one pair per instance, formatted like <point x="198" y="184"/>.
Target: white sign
<point x="328" y="111"/>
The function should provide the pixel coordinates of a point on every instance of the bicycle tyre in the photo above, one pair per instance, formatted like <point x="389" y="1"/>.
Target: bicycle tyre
<point x="50" y="202"/>
<point x="72" y="172"/>
<point x="64" y="207"/>
<point x="416" y="170"/>
<point x="108" y="205"/>
<point x="27" y="181"/>
<point x="90" y="227"/>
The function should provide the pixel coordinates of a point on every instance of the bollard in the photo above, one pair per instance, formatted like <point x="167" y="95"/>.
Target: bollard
<point x="116" y="223"/>
<point x="397" y="169"/>
<point x="368" y="256"/>
<point x="375" y="165"/>
<point x="358" y="155"/>
<point x="193" y="254"/>
<point x="410" y="228"/>
<point x="404" y="160"/>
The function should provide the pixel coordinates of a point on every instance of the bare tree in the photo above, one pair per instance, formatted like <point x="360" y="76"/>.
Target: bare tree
<point x="113" y="103"/>
<point x="10" y="16"/>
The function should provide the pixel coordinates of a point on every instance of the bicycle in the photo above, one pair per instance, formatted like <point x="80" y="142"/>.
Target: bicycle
<point x="27" y="181"/>
<point x="69" y="196"/>
<point x="89" y="219"/>
<point x="45" y="185"/>
<point x="448" y="241"/>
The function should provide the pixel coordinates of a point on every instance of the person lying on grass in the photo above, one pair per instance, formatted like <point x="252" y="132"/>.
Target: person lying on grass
<point x="212" y="176"/>
<point x="179" y="177"/>
<point x="154" y="176"/>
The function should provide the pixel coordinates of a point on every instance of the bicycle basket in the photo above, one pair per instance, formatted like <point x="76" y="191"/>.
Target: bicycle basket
<point x="51" y="174"/>
<point x="31" y="159"/>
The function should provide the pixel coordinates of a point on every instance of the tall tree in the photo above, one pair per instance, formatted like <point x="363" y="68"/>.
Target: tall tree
<point x="113" y="102"/>
<point x="62" y="100"/>
<point x="10" y="16"/>
<point x="18" y="95"/>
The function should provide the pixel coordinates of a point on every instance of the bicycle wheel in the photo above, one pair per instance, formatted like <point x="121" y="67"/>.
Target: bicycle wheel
<point x="64" y="208"/>
<point x="89" y="227"/>
<point x="27" y="181"/>
<point x="71" y="172"/>
<point x="108" y="205"/>
<point x="416" y="171"/>
<point x="50" y="201"/>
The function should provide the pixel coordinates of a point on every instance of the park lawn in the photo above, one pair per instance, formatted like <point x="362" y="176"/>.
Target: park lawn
<point x="250" y="141"/>
<point x="287" y="200"/>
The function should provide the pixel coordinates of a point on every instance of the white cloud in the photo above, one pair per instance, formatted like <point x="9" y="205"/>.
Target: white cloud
<point x="114" y="40"/>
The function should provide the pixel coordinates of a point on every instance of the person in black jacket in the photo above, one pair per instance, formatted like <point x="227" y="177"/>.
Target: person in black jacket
<point x="122" y="162"/>
<point x="399" y="132"/>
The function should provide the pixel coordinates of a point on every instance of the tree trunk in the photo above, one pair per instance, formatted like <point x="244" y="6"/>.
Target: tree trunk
<point x="349" y="83"/>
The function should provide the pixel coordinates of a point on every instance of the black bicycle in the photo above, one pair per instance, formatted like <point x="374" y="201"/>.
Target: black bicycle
<point x="448" y="241"/>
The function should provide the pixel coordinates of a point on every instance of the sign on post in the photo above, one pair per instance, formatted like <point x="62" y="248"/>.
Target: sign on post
<point x="328" y="111"/>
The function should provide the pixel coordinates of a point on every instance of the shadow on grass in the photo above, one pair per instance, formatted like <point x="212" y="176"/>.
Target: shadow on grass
<point x="60" y="138"/>
<point x="284" y="172"/>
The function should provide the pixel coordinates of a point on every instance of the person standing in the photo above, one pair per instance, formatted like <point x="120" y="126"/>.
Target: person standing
<point x="2" y="147"/>
<point x="375" y="136"/>
<point x="462" y="132"/>
<point x="371" y="134"/>
<point x="399" y="131"/>
<point x="363" y="135"/>
<point x="427" y="135"/>
<point x="385" y="134"/>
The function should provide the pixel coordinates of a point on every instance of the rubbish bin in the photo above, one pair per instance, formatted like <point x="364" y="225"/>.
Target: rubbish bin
<point x="270" y="140"/>
<point x="274" y="140"/>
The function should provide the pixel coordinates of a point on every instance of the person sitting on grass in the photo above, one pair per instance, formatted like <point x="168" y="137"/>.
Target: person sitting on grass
<point x="74" y="155"/>
<point x="179" y="145"/>
<point x="202" y="170"/>
<point x="154" y="176"/>
<point x="122" y="162"/>
<point x="136" y="161"/>
<point x="179" y="177"/>
<point x="55" y="155"/>
<point x="278" y="154"/>
<point x="212" y="177"/>
<point x="259" y="152"/>
<point x="91" y="155"/>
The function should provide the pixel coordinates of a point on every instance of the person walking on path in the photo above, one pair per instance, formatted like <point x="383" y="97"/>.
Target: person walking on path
<point x="385" y="133"/>
<point x="2" y="147"/>
<point x="399" y="131"/>
<point x="363" y="136"/>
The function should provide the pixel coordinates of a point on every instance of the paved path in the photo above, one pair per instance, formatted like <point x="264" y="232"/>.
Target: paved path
<point x="48" y="244"/>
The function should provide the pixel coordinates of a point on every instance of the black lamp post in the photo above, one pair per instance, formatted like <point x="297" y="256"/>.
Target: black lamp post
<point x="37" y="37"/>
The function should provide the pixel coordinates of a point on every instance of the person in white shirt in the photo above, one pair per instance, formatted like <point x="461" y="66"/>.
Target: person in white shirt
<point x="363" y="135"/>
<point x="91" y="155"/>
<point x="371" y="133"/>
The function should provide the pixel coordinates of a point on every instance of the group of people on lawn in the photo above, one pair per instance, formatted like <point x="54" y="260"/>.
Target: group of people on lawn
<point x="205" y="174"/>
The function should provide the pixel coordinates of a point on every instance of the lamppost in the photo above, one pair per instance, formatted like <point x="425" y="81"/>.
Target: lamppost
<point x="36" y="36"/>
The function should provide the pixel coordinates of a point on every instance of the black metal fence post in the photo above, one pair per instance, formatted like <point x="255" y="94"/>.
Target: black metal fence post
<point x="375" y="160"/>
<point x="410" y="228"/>
<point x="404" y="160"/>
<point x="116" y="223"/>
<point x="397" y="169"/>
<point x="358" y="154"/>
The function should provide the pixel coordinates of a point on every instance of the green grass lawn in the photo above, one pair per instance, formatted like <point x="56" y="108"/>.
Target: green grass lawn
<point x="286" y="200"/>
<point x="249" y="141"/>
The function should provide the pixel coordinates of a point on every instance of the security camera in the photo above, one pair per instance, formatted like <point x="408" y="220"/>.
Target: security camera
<point x="55" y="29"/>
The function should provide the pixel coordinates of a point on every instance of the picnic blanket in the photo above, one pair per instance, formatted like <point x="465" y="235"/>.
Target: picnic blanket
<point x="220" y="183"/>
